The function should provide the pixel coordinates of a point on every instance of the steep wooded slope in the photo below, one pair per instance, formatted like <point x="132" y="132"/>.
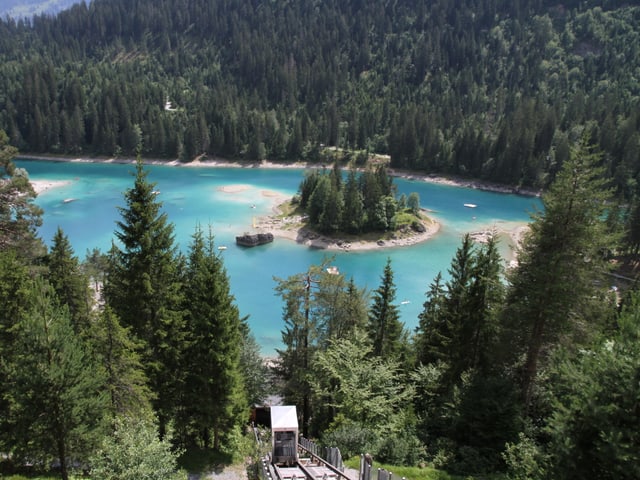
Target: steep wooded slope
<point x="493" y="89"/>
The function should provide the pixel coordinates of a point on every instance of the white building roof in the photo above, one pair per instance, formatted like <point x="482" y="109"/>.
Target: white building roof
<point x="284" y="418"/>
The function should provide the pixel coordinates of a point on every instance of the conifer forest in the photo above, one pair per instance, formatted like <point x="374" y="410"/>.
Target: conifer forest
<point x="140" y="355"/>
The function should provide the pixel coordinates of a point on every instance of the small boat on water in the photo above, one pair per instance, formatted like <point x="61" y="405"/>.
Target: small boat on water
<point x="470" y="205"/>
<point x="69" y="200"/>
<point x="333" y="270"/>
<point x="222" y="247"/>
<point x="254" y="239"/>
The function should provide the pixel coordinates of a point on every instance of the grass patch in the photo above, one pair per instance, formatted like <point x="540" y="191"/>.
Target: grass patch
<point x="414" y="473"/>
<point x="203" y="460"/>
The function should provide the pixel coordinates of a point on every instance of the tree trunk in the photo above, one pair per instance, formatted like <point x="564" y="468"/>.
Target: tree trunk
<point x="62" y="457"/>
<point x="531" y="362"/>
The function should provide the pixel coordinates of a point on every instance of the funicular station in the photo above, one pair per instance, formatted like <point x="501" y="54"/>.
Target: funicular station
<point x="293" y="457"/>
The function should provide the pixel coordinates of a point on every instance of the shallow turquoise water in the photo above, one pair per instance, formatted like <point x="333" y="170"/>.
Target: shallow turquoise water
<point x="192" y="195"/>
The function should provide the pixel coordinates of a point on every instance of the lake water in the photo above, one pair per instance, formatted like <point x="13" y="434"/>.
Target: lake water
<point x="194" y="195"/>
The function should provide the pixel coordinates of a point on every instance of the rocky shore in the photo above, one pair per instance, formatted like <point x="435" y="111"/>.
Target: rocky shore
<point x="293" y="228"/>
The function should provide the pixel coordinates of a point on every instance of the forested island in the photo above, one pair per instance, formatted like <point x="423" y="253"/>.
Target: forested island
<point x="359" y="212"/>
<point x="140" y="353"/>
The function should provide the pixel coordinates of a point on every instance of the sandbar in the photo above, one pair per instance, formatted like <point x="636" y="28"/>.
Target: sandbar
<point x="236" y="188"/>
<point x="41" y="186"/>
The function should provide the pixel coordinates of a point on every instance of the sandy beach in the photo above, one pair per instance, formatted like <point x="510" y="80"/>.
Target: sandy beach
<point x="292" y="228"/>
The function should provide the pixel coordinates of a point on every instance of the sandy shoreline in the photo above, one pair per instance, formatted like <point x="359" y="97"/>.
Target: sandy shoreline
<point x="219" y="162"/>
<point x="292" y="228"/>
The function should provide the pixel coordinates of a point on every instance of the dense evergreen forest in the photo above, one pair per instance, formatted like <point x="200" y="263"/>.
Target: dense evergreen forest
<point x="494" y="89"/>
<point x="111" y="363"/>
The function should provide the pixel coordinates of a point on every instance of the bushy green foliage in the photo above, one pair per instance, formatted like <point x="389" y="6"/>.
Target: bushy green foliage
<point x="524" y="459"/>
<point x="593" y="427"/>
<point x="134" y="451"/>
<point x="401" y="448"/>
<point x="19" y="215"/>
<point x="351" y="438"/>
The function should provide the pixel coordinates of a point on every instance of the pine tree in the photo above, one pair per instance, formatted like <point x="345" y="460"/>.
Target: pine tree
<point x="593" y="429"/>
<point x="434" y="331"/>
<point x="144" y="290"/>
<point x="486" y="296"/>
<point x="300" y="337"/>
<point x="254" y="370"/>
<point x="212" y="389"/>
<point x="353" y="214"/>
<point x="15" y="301"/>
<point x="384" y="326"/>
<point x="68" y="281"/>
<point x="56" y="405"/>
<point x="559" y="263"/>
<point x="125" y="381"/>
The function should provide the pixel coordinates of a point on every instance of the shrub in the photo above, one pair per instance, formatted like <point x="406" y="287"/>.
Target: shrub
<point x="135" y="451"/>
<point x="351" y="439"/>
<point x="400" y="450"/>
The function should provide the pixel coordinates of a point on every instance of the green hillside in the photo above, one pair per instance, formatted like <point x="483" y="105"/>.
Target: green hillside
<point x="528" y="372"/>
<point x="492" y="89"/>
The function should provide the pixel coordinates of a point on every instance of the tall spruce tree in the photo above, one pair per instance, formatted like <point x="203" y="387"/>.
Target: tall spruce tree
<point x="68" y="281"/>
<point x="143" y="289"/>
<point x="384" y="326"/>
<point x="255" y="372"/>
<point x="433" y="334"/>
<point x="212" y="392"/>
<point x="126" y="383"/>
<point x="15" y="301"/>
<point x="593" y="429"/>
<point x="462" y="397"/>
<point x="486" y="295"/>
<point x="55" y="387"/>
<point x="353" y="214"/>
<point x="559" y="264"/>
<point x="459" y="322"/>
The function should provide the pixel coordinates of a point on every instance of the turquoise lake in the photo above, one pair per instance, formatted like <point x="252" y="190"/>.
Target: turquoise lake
<point x="193" y="195"/>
